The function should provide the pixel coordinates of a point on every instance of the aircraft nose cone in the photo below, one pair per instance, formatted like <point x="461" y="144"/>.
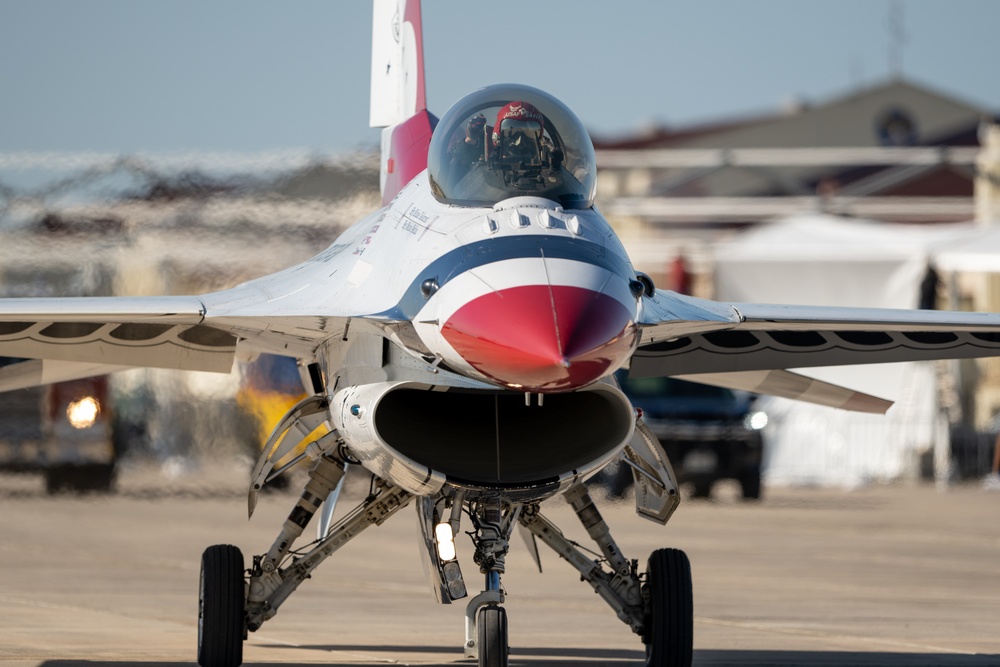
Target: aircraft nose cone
<point x="542" y="338"/>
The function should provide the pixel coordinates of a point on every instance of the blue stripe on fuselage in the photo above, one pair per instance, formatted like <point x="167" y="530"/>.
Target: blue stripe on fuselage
<point x="487" y="251"/>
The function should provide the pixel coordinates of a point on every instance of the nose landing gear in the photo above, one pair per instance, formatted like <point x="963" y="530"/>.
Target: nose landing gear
<point x="485" y="619"/>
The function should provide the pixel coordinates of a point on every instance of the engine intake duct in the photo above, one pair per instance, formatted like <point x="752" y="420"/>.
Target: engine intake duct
<point x="493" y="438"/>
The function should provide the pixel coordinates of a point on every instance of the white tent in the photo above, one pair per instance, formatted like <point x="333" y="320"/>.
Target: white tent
<point x="979" y="250"/>
<point x="823" y="260"/>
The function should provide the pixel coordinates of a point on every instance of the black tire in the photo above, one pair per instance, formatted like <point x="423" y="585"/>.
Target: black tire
<point x="88" y="477"/>
<point x="669" y="634"/>
<point x="702" y="489"/>
<point x="750" y="484"/>
<point x="56" y="480"/>
<point x="102" y="477"/>
<point x="492" y="627"/>
<point x="221" y="607"/>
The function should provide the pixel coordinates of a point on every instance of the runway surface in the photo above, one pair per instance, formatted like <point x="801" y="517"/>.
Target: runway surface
<point x="887" y="575"/>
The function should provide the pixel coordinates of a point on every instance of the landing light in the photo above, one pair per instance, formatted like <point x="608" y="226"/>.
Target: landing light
<point x="445" y="541"/>
<point x="83" y="413"/>
<point x="756" y="421"/>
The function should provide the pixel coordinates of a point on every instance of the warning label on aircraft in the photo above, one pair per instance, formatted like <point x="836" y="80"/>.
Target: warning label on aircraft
<point x="416" y="221"/>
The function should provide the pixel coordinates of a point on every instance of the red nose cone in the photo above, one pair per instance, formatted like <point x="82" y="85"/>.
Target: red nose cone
<point x="542" y="338"/>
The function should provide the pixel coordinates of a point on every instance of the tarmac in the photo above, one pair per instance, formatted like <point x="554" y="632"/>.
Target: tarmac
<point x="899" y="575"/>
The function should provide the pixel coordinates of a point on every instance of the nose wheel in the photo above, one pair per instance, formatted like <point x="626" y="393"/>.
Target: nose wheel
<point x="221" y="607"/>
<point x="492" y="627"/>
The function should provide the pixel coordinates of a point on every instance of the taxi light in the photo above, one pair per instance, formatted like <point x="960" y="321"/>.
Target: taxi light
<point x="83" y="413"/>
<point x="445" y="541"/>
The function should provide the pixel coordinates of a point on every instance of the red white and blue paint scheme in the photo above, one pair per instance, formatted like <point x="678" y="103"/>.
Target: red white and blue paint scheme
<point x="459" y="346"/>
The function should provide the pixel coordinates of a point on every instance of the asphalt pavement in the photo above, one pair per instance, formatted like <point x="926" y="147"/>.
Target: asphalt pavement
<point x="900" y="575"/>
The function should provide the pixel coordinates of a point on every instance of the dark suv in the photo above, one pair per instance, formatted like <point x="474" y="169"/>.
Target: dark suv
<point x="709" y="433"/>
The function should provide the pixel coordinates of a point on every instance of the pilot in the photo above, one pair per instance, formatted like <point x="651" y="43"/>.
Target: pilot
<point x="472" y="147"/>
<point x="518" y="132"/>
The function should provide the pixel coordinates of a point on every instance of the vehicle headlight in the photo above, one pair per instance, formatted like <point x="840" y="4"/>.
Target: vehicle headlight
<point x="755" y="421"/>
<point x="83" y="413"/>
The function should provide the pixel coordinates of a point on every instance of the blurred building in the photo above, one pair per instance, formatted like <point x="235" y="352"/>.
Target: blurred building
<point x="843" y="202"/>
<point x="896" y="152"/>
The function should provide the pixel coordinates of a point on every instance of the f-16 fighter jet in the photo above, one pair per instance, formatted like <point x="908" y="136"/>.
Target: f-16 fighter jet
<point x="459" y="345"/>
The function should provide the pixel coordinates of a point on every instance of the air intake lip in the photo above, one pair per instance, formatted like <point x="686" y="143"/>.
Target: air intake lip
<point x="423" y="437"/>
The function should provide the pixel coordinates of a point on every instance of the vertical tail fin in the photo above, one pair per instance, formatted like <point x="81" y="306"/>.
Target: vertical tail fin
<point x="398" y="90"/>
<point x="398" y="97"/>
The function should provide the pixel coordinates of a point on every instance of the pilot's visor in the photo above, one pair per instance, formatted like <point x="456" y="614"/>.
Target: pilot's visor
<point x="513" y="126"/>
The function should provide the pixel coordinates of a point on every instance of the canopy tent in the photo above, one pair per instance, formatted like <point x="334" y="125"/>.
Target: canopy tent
<point x="824" y="260"/>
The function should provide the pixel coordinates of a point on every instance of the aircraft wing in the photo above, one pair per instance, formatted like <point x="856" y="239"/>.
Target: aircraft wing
<point x="89" y="335"/>
<point x="68" y="338"/>
<point x="682" y="335"/>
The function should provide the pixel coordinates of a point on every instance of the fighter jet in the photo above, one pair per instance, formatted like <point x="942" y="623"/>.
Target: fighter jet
<point x="459" y="345"/>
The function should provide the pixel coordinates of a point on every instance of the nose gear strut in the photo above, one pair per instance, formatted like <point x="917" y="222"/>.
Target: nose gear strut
<point x="485" y="619"/>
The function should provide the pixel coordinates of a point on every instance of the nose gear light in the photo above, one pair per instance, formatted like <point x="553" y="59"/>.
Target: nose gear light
<point x="445" y="541"/>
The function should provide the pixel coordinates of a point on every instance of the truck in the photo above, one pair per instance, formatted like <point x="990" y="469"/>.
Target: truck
<point x="64" y="431"/>
<point x="709" y="433"/>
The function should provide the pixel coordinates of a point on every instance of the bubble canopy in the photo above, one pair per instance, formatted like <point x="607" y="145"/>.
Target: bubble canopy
<point x="511" y="141"/>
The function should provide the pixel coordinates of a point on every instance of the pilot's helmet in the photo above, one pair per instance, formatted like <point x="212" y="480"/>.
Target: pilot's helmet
<point x="475" y="128"/>
<point x="517" y="120"/>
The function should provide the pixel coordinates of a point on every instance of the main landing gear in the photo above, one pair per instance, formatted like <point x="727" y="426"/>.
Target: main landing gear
<point x="225" y="613"/>
<point x="656" y="604"/>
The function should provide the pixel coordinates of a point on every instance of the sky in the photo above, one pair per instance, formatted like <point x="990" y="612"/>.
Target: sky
<point x="152" y="77"/>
